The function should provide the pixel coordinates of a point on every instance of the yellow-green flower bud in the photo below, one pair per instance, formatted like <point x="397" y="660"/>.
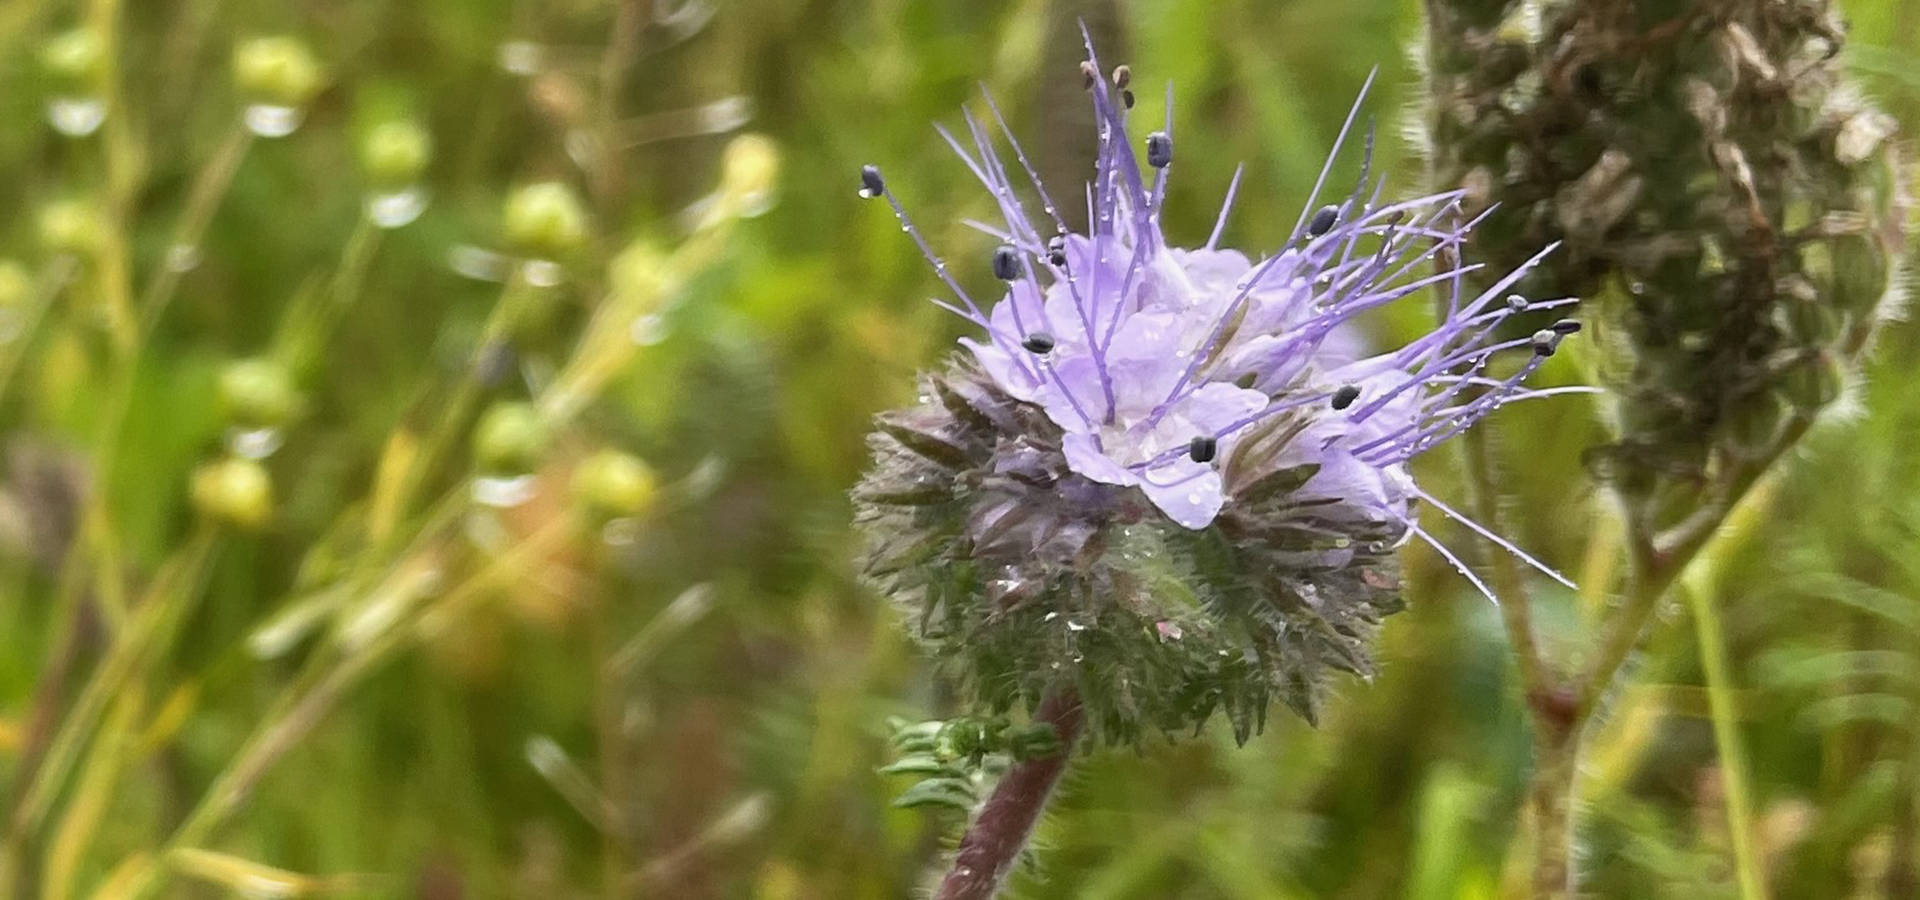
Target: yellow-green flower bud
<point x="510" y="438"/>
<point x="16" y="285"/>
<point x="234" y="491"/>
<point x="545" y="220"/>
<point x="74" y="60"/>
<point x="614" y="484"/>
<point x="641" y="275"/>
<point x="72" y="226"/>
<point x="395" y="153"/>
<point x="280" y="71"/>
<point x="258" y="393"/>
<point x="749" y="171"/>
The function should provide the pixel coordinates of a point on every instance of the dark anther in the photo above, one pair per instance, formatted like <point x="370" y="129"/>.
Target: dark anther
<point x="1057" y="251"/>
<point x="1516" y="302"/>
<point x="1202" y="449"/>
<point x="1566" y="326"/>
<point x="1089" y="72"/>
<point x="1323" y="221"/>
<point x="1126" y="99"/>
<point x="871" y="184"/>
<point x="1122" y="76"/>
<point x="1159" y="150"/>
<point x="1345" y="395"/>
<point x="1006" y="263"/>
<point x="1038" y="342"/>
<point x="1545" y="341"/>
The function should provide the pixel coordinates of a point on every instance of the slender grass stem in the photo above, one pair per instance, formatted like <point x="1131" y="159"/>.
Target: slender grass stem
<point x="1726" y="739"/>
<point x="148" y="636"/>
<point x="301" y="708"/>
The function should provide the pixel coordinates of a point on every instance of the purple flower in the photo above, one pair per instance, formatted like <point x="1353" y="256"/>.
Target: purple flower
<point x="1157" y="363"/>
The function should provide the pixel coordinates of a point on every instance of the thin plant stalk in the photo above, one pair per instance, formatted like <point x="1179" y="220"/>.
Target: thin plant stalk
<point x="149" y="634"/>
<point x="1736" y="785"/>
<point x="999" y="832"/>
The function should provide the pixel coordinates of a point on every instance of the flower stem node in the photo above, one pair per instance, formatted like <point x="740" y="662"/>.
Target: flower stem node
<point x="234" y="491"/>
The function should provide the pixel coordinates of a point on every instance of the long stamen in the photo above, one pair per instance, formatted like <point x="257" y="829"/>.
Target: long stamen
<point x="1226" y="206"/>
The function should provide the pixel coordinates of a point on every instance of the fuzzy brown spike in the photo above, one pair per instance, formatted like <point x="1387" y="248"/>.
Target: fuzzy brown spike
<point x="1718" y="184"/>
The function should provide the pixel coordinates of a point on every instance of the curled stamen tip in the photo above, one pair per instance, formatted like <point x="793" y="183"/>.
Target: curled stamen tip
<point x="1123" y="76"/>
<point x="1516" y="302"/>
<point x="1344" y="396"/>
<point x="1566" y="326"/>
<point x="871" y="184"/>
<point x="1126" y="99"/>
<point x="1323" y="221"/>
<point x="1038" y="343"/>
<point x="1006" y="264"/>
<point x="1057" y="250"/>
<point x="1545" y="341"/>
<point x="1203" y="448"/>
<point x="1159" y="150"/>
<point x="1092" y="74"/>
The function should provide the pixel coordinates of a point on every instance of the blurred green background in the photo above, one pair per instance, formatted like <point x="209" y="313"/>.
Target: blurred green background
<point x="573" y="731"/>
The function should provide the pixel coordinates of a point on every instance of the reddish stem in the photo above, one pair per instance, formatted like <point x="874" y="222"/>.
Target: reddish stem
<point x="993" y="842"/>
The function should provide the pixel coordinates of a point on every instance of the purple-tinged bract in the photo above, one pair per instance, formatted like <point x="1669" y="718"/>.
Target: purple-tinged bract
<point x="1168" y="476"/>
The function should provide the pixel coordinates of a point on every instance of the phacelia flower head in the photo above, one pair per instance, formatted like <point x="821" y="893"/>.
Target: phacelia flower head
<point x="1167" y="477"/>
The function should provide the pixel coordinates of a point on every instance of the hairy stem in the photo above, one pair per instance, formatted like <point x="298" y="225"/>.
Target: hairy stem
<point x="994" y="840"/>
<point x="1556" y="760"/>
